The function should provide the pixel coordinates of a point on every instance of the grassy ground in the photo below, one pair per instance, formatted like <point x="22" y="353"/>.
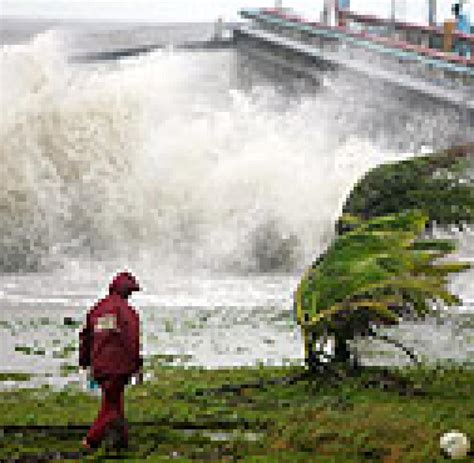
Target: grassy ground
<point x="368" y="418"/>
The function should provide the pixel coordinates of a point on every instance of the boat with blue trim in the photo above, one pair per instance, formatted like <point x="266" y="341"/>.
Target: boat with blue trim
<point x="435" y="60"/>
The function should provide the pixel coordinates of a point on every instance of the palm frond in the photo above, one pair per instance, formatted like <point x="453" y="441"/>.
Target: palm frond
<point x="436" y="245"/>
<point x="378" y="267"/>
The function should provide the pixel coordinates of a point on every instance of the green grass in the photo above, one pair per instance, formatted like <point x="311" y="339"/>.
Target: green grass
<point x="14" y="376"/>
<point x="354" y="420"/>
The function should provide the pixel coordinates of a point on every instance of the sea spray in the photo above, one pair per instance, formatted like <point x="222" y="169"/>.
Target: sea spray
<point x="156" y="158"/>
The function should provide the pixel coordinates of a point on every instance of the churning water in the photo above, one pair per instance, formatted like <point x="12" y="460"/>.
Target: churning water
<point x="214" y="196"/>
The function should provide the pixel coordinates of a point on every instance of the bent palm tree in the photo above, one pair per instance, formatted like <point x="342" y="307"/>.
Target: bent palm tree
<point x="441" y="184"/>
<point x="372" y="275"/>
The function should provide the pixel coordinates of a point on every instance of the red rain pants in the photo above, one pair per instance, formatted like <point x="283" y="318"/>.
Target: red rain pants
<point x="112" y="408"/>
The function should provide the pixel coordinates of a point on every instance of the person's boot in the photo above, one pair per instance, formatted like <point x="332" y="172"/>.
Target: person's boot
<point x="115" y="435"/>
<point x="87" y="448"/>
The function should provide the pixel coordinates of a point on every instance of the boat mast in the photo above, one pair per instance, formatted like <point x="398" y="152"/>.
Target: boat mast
<point x="393" y="16"/>
<point x="432" y="13"/>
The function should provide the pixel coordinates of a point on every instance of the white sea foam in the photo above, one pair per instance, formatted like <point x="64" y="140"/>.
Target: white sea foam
<point x="157" y="156"/>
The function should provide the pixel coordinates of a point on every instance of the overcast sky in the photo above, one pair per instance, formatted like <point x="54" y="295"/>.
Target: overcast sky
<point x="200" y="10"/>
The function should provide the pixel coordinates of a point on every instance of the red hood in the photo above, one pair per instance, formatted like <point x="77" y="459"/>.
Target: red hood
<point x="124" y="284"/>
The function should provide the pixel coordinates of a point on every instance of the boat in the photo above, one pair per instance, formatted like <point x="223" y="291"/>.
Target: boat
<point x="434" y="60"/>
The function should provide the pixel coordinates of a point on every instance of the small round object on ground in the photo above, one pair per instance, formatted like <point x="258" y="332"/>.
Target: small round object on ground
<point x="455" y="444"/>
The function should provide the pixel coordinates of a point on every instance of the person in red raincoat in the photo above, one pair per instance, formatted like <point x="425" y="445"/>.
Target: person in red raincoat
<point x="109" y="344"/>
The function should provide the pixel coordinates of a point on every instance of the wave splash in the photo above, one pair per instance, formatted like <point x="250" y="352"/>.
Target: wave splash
<point x="158" y="158"/>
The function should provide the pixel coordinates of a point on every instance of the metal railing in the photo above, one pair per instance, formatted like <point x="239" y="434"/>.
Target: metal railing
<point x="415" y="34"/>
<point x="333" y="38"/>
<point x="385" y="55"/>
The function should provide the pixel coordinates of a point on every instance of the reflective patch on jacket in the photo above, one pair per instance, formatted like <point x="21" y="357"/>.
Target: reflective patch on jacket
<point x="106" y="322"/>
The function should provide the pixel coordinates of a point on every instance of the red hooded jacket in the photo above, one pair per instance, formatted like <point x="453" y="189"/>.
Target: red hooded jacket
<point x="110" y="340"/>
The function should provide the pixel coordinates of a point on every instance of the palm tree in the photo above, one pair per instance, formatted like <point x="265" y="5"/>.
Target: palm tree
<point x="441" y="184"/>
<point x="373" y="275"/>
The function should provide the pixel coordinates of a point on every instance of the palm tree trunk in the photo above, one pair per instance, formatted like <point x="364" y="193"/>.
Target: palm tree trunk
<point x="312" y="361"/>
<point x="342" y="353"/>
